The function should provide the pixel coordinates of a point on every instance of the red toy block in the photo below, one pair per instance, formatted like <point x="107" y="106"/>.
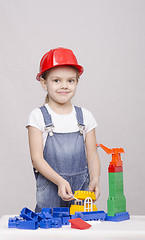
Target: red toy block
<point x="113" y="168"/>
<point x="78" y="223"/>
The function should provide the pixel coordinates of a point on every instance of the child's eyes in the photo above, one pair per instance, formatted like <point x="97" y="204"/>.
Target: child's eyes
<point x="56" y="80"/>
<point x="71" y="81"/>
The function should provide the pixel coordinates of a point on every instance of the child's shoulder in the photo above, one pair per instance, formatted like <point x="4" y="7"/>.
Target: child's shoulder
<point x="35" y="113"/>
<point x="35" y="110"/>
<point x="86" y="112"/>
<point x="89" y="119"/>
<point x="35" y="119"/>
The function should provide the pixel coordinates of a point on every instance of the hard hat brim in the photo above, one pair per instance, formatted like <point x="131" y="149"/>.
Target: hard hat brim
<point x="79" y="67"/>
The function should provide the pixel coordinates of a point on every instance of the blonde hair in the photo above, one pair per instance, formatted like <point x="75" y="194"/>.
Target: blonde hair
<point x="46" y="73"/>
<point x="46" y="99"/>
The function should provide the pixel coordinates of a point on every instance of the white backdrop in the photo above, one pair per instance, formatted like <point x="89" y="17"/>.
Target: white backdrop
<point x="108" y="37"/>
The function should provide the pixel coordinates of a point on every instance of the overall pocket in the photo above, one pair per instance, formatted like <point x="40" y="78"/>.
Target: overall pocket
<point x="41" y="182"/>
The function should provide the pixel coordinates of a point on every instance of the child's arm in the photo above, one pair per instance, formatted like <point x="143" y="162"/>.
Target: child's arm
<point x="39" y="163"/>
<point x="93" y="162"/>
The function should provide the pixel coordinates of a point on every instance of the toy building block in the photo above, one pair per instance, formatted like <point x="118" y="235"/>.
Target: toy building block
<point x="90" y="216"/>
<point x="118" y="217"/>
<point x="12" y="222"/>
<point x="113" y="168"/>
<point x="27" y="214"/>
<point x="20" y="223"/>
<point x="48" y="210"/>
<point x="116" y="205"/>
<point x="27" y="224"/>
<point x="116" y="154"/>
<point x="61" y="212"/>
<point x="76" y="208"/>
<point x="116" y="184"/>
<point x="51" y="223"/>
<point x="78" y="223"/>
<point x="82" y="195"/>
<point x="56" y="222"/>
<point x="84" y="202"/>
<point x="46" y="213"/>
<point x="65" y="220"/>
<point x="116" y="202"/>
<point x="45" y="223"/>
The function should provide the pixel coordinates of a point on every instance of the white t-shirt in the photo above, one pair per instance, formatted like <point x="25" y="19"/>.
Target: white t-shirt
<point x="63" y="123"/>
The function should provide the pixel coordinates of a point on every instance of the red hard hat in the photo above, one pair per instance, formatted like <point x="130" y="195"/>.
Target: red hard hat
<point x="58" y="57"/>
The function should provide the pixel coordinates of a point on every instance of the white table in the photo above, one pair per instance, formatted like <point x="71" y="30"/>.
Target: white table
<point x="129" y="229"/>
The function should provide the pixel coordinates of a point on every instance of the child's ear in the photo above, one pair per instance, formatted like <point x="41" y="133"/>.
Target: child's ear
<point x="43" y="83"/>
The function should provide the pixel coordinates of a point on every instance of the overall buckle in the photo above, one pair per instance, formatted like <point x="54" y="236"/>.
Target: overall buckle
<point x="49" y="129"/>
<point x="81" y="129"/>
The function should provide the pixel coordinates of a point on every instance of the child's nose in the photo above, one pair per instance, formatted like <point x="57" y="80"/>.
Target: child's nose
<point x="64" y="84"/>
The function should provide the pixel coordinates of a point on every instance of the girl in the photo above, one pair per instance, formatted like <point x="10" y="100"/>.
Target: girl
<point x="62" y="136"/>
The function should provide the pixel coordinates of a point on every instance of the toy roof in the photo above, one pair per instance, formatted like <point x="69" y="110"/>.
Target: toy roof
<point x="82" y="195"/>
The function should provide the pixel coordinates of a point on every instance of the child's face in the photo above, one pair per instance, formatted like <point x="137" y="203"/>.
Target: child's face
<point x="61" y="84"/>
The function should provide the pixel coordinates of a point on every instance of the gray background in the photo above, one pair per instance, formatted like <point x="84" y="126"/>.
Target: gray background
<point x="108" y="38"/>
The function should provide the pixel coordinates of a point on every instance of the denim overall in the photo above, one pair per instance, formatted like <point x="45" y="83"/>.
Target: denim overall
<point x="65" y="153"/>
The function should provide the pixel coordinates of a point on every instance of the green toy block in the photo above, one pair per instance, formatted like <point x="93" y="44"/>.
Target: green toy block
<point x="116" y="205"/>
<point x="115" y="177"/>
<point x="116" y="202"/>
<point x="116" y="184"/>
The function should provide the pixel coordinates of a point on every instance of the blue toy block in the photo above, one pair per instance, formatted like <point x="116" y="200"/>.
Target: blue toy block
<point x="20" y="223"/>
<point x="51" y="223"/>
<point x="65" y="220"/>
<point x="40" y="214"/>
<point x="118" y="217"/>
<point x="90" y="216"/>
<point x="56" y="222"/>
<point x="46" y="213"/>
<point x="27" y="224"/>
<point x="45" y="223"/>
<point x="48" y="210"/>
<point x="12" y="222"/>
<point x="61" y="212"/>
<point x="30" y="215"/>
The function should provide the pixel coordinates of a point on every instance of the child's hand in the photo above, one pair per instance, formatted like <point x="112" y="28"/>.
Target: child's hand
<point x="94" y="187"/>
<point x="64" y="190"/>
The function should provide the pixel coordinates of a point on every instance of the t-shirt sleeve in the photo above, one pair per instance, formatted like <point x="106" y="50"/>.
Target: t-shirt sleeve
<point x="35" y="119"/>
<point x="89" y="120"/>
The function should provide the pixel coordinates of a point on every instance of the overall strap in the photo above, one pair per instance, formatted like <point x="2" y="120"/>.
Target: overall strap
<point x="47" y="120"/>
<point x="80" y="119"/>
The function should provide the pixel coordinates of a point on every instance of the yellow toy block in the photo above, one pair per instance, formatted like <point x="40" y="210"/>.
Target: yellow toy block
<point x="94" y="208"/>
<point x="78" y="208"/>
<point x="82" y="195"/>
